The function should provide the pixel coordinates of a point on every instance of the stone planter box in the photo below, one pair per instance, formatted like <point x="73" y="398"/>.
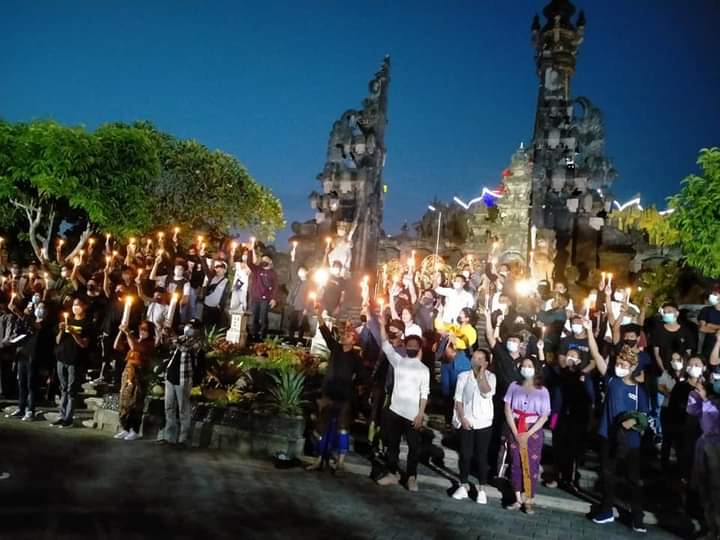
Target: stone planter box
<point x="245" y="432"/>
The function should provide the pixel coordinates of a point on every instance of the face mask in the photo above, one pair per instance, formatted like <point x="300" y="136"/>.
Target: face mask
<point x="457" y="286"/>
<point x="573" y="360"/>
<point x="178" y="273"/>
<point x="626" y="321"/>
<point x="713" y="299"/>
<point x="669" y="318"/>
<point x="512" y="346"/>
<point x="577" y="328"/>
<point x="503" y="308"/>
<point x="466" y="273"/>
<point x="77" y="310"/>
<point x="302" y="276"/>
<point x="677" y="366"/>
<point x="621" y="372"/>
<point x="630" y="342"/>
<point x="64" y="274"/>
<point x="412" y="353"/>
<point x="39" y="313"/>
<point x="618" y="296"/>
<point x="188" y="331"/>
<point x="144" y="335"/>
<point x="695" y="371"/>
<point x="36" y="299"/>
<point x="527" y="372"/>
<point x="15" y="272"/>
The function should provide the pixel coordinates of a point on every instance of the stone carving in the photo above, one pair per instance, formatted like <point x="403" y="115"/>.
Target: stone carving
<point x="543" y="259"/>
<point x="342" y="247"/>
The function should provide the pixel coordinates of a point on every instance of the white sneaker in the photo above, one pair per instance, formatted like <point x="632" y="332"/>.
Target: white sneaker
<point x="132" y="436"/>
<point x="121" y="435"/>
<point x="481" y="497"/>
<point x="460" y="493"/>
<point x="28" y="417"/>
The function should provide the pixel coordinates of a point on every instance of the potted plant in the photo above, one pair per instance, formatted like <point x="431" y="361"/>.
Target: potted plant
<point x="288" y="424"/>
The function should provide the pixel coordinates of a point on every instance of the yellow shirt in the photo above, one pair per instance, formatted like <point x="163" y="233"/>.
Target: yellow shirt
<point x="465" y="334"/>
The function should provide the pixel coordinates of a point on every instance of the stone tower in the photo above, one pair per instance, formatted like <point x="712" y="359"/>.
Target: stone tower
<point x="514" y="208"/>
<point x="351" y="202"/>
<point x="571" y="176"/>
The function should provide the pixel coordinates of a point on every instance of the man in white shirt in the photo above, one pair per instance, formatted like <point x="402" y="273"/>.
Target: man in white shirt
<point x="407" y="407"/>
<point x="456" y="298"/>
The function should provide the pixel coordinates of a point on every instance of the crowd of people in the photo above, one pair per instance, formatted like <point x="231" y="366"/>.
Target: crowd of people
<point x="506" y="359"/>
<point x="509" y="359"/>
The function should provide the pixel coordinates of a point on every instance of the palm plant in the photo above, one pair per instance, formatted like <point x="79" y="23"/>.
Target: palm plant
<point x="286" y="395"/>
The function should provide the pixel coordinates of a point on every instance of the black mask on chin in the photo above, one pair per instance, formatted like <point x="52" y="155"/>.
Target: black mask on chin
<point x="412" y="353"/>
<point x="630" y="342"/>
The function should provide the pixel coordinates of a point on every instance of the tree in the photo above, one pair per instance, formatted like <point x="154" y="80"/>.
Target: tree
<point x="655" y="225"/>
<point x="52" y="175"/>
<point x="696" y="214"/>
<point x="209" y="190"/>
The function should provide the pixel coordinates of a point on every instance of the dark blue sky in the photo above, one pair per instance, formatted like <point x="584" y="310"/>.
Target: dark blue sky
<point x="266" y="80"/>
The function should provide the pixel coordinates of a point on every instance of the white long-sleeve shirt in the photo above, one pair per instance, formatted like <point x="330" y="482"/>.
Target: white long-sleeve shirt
<point x="412" y="383"/>
<point x="455" y="300"/>
<point x="478" y="407"/>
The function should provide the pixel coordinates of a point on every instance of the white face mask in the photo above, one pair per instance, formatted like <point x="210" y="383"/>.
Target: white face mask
<point x="527" y="372"/>
<point x="512" y="346"/>
<point x="457" y="285"/>
<point x="626" y="321"/>
<point x="677" y="366"/>
<point x="695" y="371"/>
<point x="503" y="308"/>
<point x="713" y="299"/>
<point x="618" y="296"/>
<point x="577" y="328"/>
<point x="466" y="273"/>
<point x="574" y="360"/>
<point x="621" y="372"/>
<point x="178" y="272"/>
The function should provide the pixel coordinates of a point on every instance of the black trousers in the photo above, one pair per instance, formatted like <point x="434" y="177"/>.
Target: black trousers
<point x="298" y="323"/>
<point x="569" y="446"/>
<point x="260" y="309"/>
<point x="609" y="462"/>
<point x="474" y="444"/>
<point x="27" y="385"/>
<point x="396" y="426"/>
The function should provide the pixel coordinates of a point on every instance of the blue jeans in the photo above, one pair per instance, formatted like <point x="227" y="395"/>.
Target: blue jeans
<point x="177" y="403"/>
<point x="27" y="385"/>
<point x="260" y="310"/>
<point x="66" y="375"/>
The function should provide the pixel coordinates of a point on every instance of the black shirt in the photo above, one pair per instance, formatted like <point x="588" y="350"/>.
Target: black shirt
<point x="333" y="291"/>
<point x="343" y="368"/>
<point x="710" y="315"/>
<point x="579" y="344"/>
<point x="39" y="344"/>
<point x="505" y="368"/>
<point x="672" y="342"/>
<point x="68" y="351"/>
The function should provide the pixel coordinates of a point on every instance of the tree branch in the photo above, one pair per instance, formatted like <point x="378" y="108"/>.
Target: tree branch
<point x="81" y="242"/>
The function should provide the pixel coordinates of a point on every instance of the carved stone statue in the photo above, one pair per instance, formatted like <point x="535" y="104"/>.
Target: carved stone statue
<point x="342" y="247"/>
<point x="543" y="260"/>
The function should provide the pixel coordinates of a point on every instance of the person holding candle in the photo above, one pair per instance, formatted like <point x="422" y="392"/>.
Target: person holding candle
<point x="263" y="291"/>
<point x="456" y="298"/>
<point x="241" y="283"/>
<point x="72" y="341"/>
<point x="215" y="293"/>
<point x="134" y="379"/>
<point x="180" y="284"/>
<point x="300" y="304"/>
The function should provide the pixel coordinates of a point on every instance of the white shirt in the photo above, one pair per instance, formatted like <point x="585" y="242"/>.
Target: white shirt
<point x="455" y="300"/>
<point x="156" y="314"/>
<point x="478" y="407"/>
<point x="412" y="383"/>
<point x="413" y="329"/>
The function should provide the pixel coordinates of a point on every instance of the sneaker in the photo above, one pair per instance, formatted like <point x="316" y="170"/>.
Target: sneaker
<point x="4" y="475"/>
<point x="66" y="424"/>
<point x="132" y="436"/>
<point x="412" y="484"/>
<point x="57" y="423"/>
<point x="460" y="493"/>
<point x="601" y="518"/>
<point x="638" y="526"/>
<point x="481" y="497"/>
<point x="551" y="484"/>
<point x="28" y="417"/>
<point x="121" y="434"/>
<point x="389" y="479"/>
<point x="17" y="414"/>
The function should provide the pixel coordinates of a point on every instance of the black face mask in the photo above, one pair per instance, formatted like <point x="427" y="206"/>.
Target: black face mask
<point x="630" y="342"/>
<point x="412" y="353"/>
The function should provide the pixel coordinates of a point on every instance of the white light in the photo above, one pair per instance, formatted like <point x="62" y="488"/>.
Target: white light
<point x="457" y="200"/>
<point x="485" y="191"/>
<point x="321" y="277"/>
<point x="634" y="202"/>
<point x="432" y="208"/>
<point x="666" y="212"/>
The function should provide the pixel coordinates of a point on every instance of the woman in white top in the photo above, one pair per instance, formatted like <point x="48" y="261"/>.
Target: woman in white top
<point x="411" y="329"/>
<point x="240" y="284"/>
<point x="473" y="417"/>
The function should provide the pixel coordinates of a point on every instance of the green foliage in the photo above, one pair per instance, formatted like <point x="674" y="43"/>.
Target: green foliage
<point x="696" y="214"/>
<point x="209" y="190"/>
<point x="660" y="284"/>
<point x="658" y="228"/>
<point x="286" y="395"/>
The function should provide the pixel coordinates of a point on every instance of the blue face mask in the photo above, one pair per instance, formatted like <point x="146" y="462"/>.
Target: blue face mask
<point x="669" y="318"/>
<point x="188" y="331"/>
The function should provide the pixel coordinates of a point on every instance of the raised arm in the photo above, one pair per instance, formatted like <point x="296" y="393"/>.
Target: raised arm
<point x="595" y="355"/>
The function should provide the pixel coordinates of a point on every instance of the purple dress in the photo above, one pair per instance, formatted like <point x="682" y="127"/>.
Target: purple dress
<point x="528" y="406"/>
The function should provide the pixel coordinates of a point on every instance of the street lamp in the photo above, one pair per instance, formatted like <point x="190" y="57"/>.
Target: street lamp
<point x="437" y="241"/>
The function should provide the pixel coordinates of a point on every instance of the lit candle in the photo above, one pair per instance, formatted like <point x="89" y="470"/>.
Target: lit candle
<point x="292" y="252"/>
<point x="252" y="242"/>
<point x="312" y="296"/>
<point x="533" y="236"/>
<point x="494" y="246"/>
<point x="176" y="230"/>
<point x="233" y="249"/>
<point x="586" y="303"/>
<point x="126" y="312"/>
<point x="82" y="254"/>
<point x="140" y="271"/>
<point x="381" y="303"/>
<point x="12" y="298"/>
<point x="115" y="253"/>
<point x="365" y="289"/>
<point x="42" y="254"/>
<point x="1" y="239"/>
<point x="132" y="240"/>
<point x="65" y="316"/>
<point x="77" y="261"/>
<point x="199" y="240"/>
<point x="627" y="293"/>
<point x="328" y="241"/>
<point x="412" y="260"/>
<point x="171" y="310"/>
<point x="609" y="276"/>
<point x="384" y="274"/>
<point x="108" y="258"/>
<point x="47" y="280"/>
<point x="602" y="278"/>
<point x="161" y="235"/>
<point x="91" y="241"/>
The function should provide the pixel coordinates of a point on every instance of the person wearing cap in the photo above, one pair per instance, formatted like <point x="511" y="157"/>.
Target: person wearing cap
<point x="704" y="405"/>
<point x="344" y="367"/>
<point x="263" y="291"/>
<point x="404" y="417"/>
<point x="185" y="355"/>
<point x="215" y="291"/>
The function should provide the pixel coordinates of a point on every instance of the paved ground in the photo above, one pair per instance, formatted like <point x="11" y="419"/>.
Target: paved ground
<point x="78" y="483"/>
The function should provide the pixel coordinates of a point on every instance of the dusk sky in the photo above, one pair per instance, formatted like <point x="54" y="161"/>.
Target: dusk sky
<point x="264" y="81"/>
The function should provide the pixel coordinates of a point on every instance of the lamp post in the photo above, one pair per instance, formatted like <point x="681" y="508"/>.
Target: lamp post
<point x="437" y="241"/>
